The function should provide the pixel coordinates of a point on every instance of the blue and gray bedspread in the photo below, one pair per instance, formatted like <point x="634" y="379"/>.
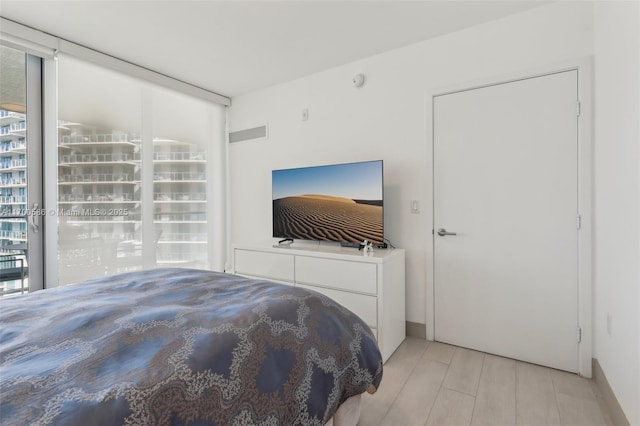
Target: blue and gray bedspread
<point x="177" y="347"/>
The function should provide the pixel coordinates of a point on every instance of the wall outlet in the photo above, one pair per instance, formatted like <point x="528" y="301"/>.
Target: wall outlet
<point x="305" y="114"/>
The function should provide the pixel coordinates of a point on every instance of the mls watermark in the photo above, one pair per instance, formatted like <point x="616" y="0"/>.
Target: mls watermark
<point x="65" y="212"/>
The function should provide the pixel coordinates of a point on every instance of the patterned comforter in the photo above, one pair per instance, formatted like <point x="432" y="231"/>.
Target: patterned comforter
<point x="180" y="346"/>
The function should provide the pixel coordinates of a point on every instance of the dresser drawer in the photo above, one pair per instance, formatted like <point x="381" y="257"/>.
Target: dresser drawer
<point x="363" y="306"/>
<point x="339" y="274"/>
<point x="262" y="264"/>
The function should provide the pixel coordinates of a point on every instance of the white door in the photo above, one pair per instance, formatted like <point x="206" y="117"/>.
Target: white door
<point x="505" y="182"/>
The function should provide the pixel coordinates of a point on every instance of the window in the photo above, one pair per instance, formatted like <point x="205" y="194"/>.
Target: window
<point x="133" y="174"/>
<point x="20" y="171"/>
<point x="114" y="135"/>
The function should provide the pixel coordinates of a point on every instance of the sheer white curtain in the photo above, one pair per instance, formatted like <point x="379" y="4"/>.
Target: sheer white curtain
<point x="139" y="170"/>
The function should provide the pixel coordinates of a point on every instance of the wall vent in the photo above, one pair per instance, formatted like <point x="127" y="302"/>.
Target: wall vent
<point x="252" y="134"/>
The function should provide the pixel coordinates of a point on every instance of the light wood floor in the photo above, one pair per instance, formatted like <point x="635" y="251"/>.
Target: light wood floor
<point x="430" y="383"/>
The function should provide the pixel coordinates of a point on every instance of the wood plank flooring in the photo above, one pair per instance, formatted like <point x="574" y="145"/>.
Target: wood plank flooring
<point x="434" y="384"/>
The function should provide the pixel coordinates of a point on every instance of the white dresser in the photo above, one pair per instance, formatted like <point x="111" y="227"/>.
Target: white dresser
<point x="372" y="287"/>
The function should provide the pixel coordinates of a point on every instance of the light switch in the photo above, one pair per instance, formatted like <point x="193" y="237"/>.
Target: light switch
<point x="415" y="206"/>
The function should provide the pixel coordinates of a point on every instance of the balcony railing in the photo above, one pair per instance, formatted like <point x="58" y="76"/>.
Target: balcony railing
<point x="180" y="217"/>
<point x="183" y="236"/>
<point x="178" y="156"/>
<point x="177" y="256"/>
<point x="13" y="146"/>
<point x="16" y="127"/>
<point x="99" y="138"/>
<point x="14" y="235"/>
<point x="179" y="196"/>
<point x="112" y="237"/>
<point x="13" y="164"/>
<point x="13" y="199"/>
<point x="13" y="181"/>
<point x="95" y="158"/>
<point x="13" y="275"/>
<point x="178" y="176"/>
<point x="80" y="218"/>
<point x="69" y="198"/>
<point x="98" y="177"/>
<point x="4" y="113"/>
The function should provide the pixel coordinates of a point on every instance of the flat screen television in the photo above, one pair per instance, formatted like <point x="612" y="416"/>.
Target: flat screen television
<point x="336" y="202"/>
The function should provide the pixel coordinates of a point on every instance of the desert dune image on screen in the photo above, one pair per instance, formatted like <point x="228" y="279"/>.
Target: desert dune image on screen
<point x="341" y="202"/>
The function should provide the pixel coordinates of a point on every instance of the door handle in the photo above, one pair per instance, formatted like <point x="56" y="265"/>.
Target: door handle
<point x="442" y="232"/>
<point x="34" y="218"/>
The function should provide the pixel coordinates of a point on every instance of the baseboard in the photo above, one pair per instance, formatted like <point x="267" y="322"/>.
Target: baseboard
<point x="415" y="329"/>
<point x="607" y="395"/>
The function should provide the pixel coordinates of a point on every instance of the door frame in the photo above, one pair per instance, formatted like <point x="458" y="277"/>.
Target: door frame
<point x="584" y="67"/>
<point x="35" y="239"/>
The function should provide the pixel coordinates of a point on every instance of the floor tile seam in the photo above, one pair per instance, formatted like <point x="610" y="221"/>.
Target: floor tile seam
<point x="404" y="383"/>
<point x="475" y="397"/>
<point x="432" y="405"/>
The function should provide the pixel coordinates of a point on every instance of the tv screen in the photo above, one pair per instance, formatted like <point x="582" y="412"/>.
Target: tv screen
<point x="338" y="202"/>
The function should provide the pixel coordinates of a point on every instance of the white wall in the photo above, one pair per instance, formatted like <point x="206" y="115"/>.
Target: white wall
<point x="388" y="118"/>
<point x="617" y="200"/>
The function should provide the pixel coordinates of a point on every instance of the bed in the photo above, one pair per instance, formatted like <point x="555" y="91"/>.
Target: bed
<point x="181" y="346"/>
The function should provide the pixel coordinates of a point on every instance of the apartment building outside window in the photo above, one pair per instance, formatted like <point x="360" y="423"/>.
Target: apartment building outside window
<point x="132" y="174"/>
<point x="128" y="164"/>
<point x="14" y="267"/>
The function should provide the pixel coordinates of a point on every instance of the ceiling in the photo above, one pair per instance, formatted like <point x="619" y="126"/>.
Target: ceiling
<point x="234" y="47"/>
